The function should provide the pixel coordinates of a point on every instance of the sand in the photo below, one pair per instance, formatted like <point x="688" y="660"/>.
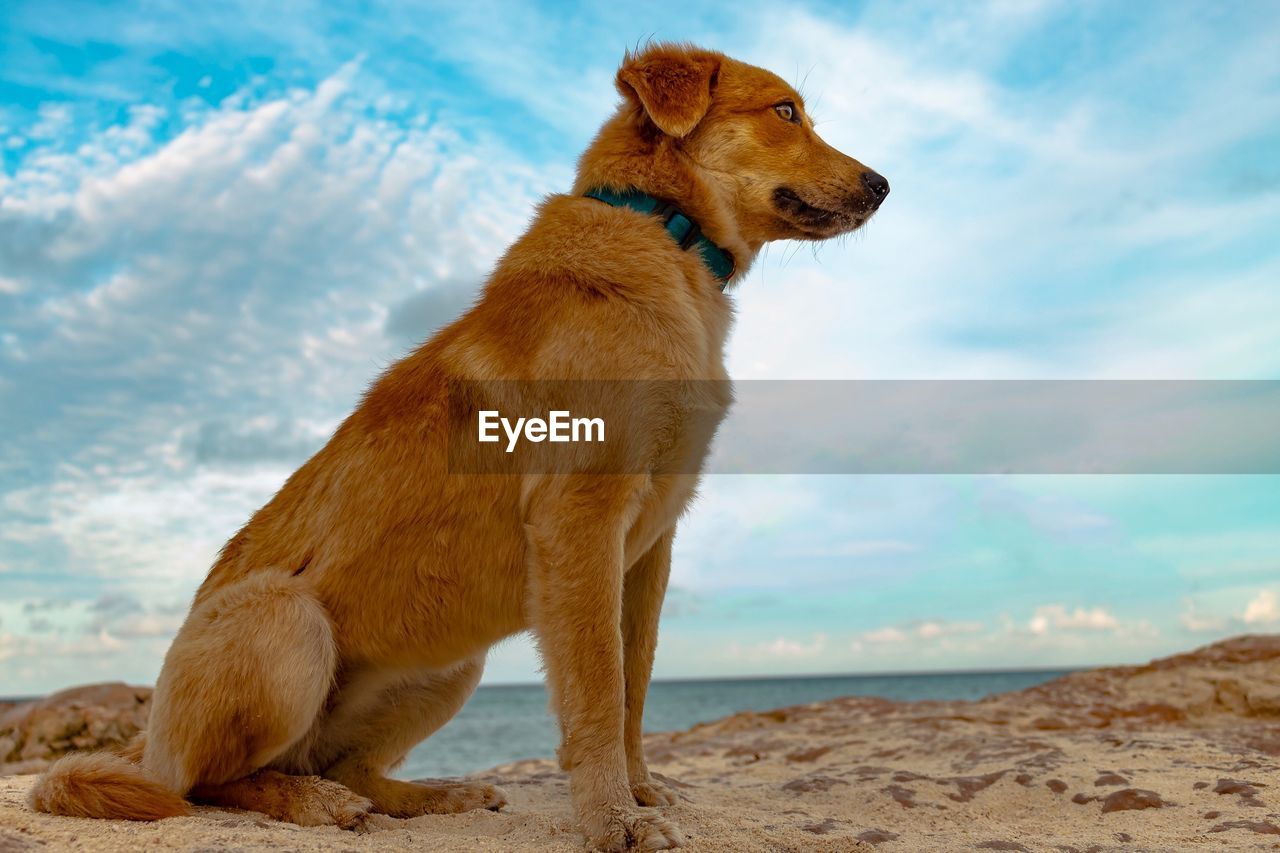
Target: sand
<point x="1179" y="754"/>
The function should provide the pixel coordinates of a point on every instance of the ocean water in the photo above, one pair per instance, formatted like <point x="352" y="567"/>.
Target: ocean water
<point x="504" y="723"/>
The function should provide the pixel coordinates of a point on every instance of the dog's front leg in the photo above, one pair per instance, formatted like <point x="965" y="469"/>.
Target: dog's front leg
<point x="576" y="528"/>
<point x="643" y="592"/>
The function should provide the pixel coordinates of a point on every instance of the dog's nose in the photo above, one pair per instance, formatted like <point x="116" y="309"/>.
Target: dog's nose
<point x="876" y="184"/>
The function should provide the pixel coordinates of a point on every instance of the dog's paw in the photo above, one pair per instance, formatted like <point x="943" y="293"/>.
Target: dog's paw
<point x="453" y="797"/>
<point x="494" y="798"/>
<point x="620" y="829"/>
<point x="651" y="792"/>
<point x="358" y="819"/>
<point x="327" y="803"/>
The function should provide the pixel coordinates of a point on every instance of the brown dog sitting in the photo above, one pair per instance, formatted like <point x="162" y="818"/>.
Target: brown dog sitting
<point x="349" y="619"/>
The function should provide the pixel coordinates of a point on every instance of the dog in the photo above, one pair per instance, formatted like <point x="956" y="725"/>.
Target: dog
<point x="350" y="617"/>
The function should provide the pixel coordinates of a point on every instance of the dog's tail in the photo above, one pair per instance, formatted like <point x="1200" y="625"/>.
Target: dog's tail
<point x="104" y="785"/>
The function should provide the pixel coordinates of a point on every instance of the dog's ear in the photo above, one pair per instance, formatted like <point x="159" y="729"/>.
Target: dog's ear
<point x="672" y="84"/>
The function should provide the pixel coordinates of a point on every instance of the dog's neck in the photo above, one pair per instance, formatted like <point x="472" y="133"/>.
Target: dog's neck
<point x="630" y="153"/>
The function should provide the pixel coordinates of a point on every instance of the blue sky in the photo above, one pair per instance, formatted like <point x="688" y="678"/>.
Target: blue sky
<point x="218" y="222"/>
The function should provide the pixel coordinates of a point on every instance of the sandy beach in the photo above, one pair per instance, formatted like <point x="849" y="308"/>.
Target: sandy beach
<point x="1181" y="753"/>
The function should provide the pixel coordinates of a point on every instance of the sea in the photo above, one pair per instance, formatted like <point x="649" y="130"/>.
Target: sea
<point x="504" y="723"/>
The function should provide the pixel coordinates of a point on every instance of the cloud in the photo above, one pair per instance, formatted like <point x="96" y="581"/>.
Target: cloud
<point x="416" y="317"/>
<point x="251" y="441"/>
<point x="681" y="602"/>
<point x="194" y="295"/>
<point x="57" y="652"/>
<point x="782" y="648"/>
<point x="119" y="635"/>
<point x="1193" y="620"/>
<point x="191" y="301"/>
<point x="863" y="548"/>
<point x="1057" y="617"/>
<point x="115" y="605"/>
<point x="969" y="269"/>
<point x="1233" y="607"/>
<point x="927" y="631"/>
<point x="1262" y="609"/>
<point x="887" y="634"/>
<point x="1053" y="635"/>
<point x="163" y="625"/>
<point x="936" y="629"/>
<point x="221" y="297"/>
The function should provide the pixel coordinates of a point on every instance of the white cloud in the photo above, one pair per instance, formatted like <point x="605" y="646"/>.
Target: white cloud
<point x="163" y="625"/>
<point x="1055" y="616"/>
<point x="936" y="629"/>
<point x="247" y="269"/>
<point x="1262" y="609"/>
<point x="863" y="548"/>
<point x="781" y="648"/>
<point x="885" y="635"/>
<point x="270" y="257"/>
<point x="96" y="645"/>
<point x="990" y="180"/>
<point x="1054" y="635"/>
<point x="207" y="307"/>
<point x="1192" y="619"/>
<point x="915" y="633"/>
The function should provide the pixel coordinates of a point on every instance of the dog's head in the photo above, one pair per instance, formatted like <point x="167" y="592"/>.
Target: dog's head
<point x="747" y="133"/>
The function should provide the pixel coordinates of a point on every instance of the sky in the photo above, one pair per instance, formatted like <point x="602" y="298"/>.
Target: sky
<point x="218" y="222"/>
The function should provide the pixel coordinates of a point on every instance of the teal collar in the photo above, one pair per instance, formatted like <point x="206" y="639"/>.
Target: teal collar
<point x="683" y="230"/>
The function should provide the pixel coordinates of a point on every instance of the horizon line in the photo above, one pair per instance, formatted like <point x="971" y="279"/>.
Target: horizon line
<point x="914" y="673"/>
<point x="908" y="673"/>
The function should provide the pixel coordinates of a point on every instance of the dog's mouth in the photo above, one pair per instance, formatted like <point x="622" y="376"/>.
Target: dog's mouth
<point x="819" y="222"/>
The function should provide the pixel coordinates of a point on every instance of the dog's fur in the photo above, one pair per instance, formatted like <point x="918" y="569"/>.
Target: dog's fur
<point x="349" y="619"/>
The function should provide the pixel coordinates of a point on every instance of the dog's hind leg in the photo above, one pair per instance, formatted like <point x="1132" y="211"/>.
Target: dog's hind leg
<point x="304" y="800"/>
<point x="247" y="676"/>
<point x="369" y="732"/>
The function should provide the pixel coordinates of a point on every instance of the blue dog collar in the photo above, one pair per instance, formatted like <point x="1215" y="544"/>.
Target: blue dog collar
<point x="682" y="229"/>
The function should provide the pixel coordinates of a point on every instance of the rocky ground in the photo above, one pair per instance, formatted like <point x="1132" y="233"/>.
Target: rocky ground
<point x="1179" y="754"/>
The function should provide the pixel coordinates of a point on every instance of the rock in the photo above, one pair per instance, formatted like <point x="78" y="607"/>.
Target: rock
<point x="876" y="836"/>
<point x="806" y="755"/>
<point x="1235" y="678"/>
<point x="12" y="842"/>
<point x="1236" y="786"/>
<point x="809" y="784"/>
<point x="970" y="785"/>
<point x="810" y="776"/>
<point x="1262" y="827"/>
<point x="91" y="717"/>
<point x="904" y="797"/>
<point x="1129" y="799"/>
<point x="823" y="828"/>
<point x="1248" y="791"/>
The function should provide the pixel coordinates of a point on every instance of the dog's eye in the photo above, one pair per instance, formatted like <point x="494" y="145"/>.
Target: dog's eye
<point x="788" y="112"/>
